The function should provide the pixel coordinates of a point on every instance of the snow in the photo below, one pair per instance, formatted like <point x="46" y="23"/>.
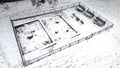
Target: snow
<point x="59" y="29"/>
<point x="101" y="51"/>
<point x="32" y="36"/>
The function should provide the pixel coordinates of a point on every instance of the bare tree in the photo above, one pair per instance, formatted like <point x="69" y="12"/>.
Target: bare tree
<point x="33" y="2"/>
<point x="37" y="2"/>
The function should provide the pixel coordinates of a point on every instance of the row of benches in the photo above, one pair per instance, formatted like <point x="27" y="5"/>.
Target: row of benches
<point x="97" y="20"/>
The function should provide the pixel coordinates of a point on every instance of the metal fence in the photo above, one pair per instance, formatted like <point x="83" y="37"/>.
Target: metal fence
<point x="32" y="13"/>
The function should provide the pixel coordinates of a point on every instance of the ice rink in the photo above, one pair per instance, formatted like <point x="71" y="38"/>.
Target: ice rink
<point x="101" y="51"/>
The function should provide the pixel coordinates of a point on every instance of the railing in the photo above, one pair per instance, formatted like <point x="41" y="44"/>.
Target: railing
<point x="32" y="13"/>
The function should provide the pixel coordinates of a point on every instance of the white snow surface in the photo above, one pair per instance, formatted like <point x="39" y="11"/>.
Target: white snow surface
<point x="101" y="51"/>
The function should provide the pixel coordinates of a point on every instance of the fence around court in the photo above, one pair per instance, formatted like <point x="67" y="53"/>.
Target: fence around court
<point x="34" y="13"/>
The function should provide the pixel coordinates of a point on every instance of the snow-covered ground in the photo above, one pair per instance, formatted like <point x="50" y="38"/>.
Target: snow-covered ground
<point x="31" y="36"/>
<point x="101" y="51"/>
